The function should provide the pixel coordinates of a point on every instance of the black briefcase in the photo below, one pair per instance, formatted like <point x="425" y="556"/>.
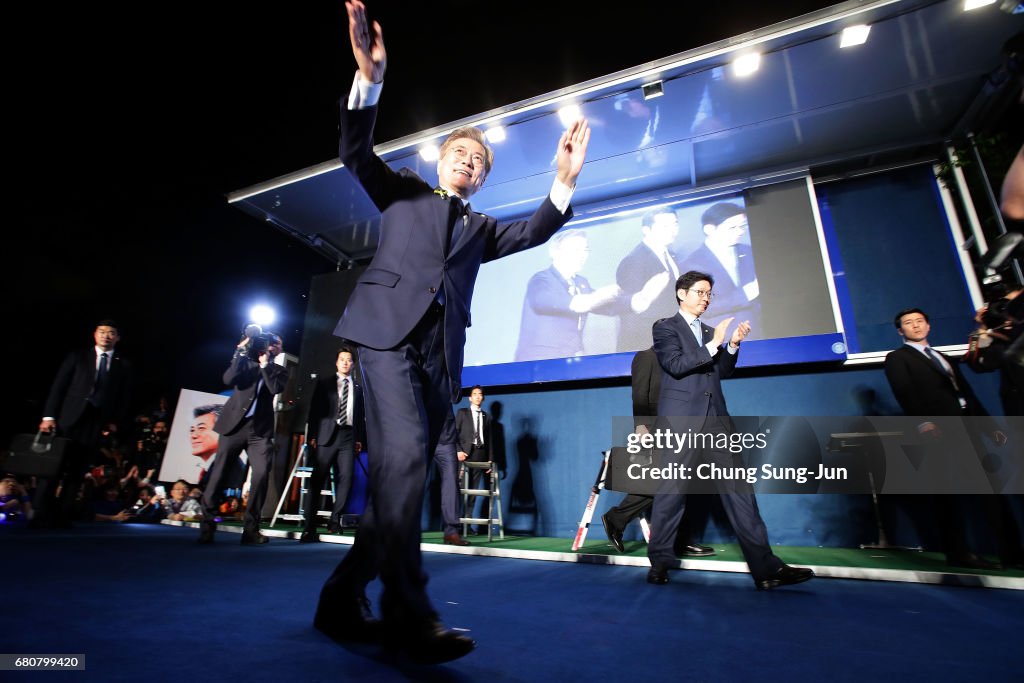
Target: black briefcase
<point x="35" y="455"/>
<point x="618" y="476"/>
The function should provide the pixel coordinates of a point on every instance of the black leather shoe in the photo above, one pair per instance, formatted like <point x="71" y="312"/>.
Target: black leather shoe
<point x="614" y="535"/>
<point x="455" y="539"/>
<point x="348" y="621"/>
<point x="657" y="575"/>
<point x="696" y="550"/>
<point x="309" y="537"/>
<point x="431" y="644"/>
<point x="334" y="528"/>
<point x="785" y="576"/>
<point x="206" y="532"/>
<point x="972" y="561"/>
<point x="254" y="538"/>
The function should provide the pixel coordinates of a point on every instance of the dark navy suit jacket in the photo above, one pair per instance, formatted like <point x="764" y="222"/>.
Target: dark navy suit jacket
<point x="410" y="264"/>
<point x="691" y="385"/>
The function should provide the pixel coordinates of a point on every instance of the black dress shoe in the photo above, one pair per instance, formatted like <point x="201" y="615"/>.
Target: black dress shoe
<point x="348" y="620"/>
<point x="253" y="538"/>
<point x="309" y="537"/>
<point x="785" y="576"/>
<point x="206" y="532"/>
<point x="696" y="550"/>
<point x="334" y="528"/>
<point x="614" y="535"/>
<point x="455" y="539"/>
<point x="972" y="561"/>
<point x="431" y="643"/>
<point x="657" y="575"/>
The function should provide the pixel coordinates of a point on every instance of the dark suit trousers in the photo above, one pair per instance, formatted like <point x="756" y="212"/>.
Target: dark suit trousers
<point x="341" y="454"/>
<point x="260" y="450"/>
<point x="740" y="506"/>
<point x="408" y="412"/>
<point x="447" y="460"/>
<point x="82" y="452"/>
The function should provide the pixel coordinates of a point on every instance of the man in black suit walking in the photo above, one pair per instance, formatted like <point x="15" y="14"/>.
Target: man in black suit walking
<point x="408" y="314"/>
<point x="89" y="395"/>
<point x="246" y="423"/>
<point x="928" y="384"/>
<point x="337" y="432"/>
<point x="646" y="385"/>
<point x="695" y="358"/>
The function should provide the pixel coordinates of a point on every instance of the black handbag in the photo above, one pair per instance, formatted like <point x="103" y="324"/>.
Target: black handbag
<point x="35" y="455"/>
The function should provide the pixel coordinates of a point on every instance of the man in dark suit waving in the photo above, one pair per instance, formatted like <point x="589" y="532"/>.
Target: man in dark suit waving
<point x="408" y="315"/>
<point x="695" y="359"/>
<point x="89" y="395"/>
<point x="337" y="432"/>
<point x="246" y="423"/>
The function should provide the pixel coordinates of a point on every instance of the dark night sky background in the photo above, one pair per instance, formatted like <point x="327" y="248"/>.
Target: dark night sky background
<point x="130" y="125"/>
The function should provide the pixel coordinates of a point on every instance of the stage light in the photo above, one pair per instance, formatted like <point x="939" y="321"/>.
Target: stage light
<point x="652" y="90"/>
<point x="495" y="135"/>
<point x="430" y="153"/>
<point x="854" y="35"/>
<point x="975" y="4"/>
<point x="744" y="65"/>
<point x="570" y="114"/>
<point x="262" y="315"/>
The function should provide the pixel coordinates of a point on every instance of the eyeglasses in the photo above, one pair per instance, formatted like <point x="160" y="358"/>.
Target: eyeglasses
<point x="702" y="293"/>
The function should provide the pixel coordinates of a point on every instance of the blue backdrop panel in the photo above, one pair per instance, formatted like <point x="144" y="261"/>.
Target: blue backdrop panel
<point x="897" y="252"/>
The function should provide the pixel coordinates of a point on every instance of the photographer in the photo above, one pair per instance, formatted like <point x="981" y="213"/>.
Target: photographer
<point x="998" y="344"/>
<point x="246" y="423"/>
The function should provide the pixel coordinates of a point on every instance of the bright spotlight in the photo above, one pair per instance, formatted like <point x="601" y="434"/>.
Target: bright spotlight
<point x="430" y="153"/>
<point x="495" y="135"/>
<point x="747" y="64"/>
<point x="570" y="114"/>
<point x="854" y="35"/>
<point x="262" y="315"/>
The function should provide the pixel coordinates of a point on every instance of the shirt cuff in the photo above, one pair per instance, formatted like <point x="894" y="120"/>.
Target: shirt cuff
<point x="561" y="195"/>
<point x="364" y="93"/>
<point x="730" y="349"/>
<point x="712" y="349"/>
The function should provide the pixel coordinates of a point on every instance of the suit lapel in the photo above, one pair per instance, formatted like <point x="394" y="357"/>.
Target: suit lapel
<point x="441" y="209"/>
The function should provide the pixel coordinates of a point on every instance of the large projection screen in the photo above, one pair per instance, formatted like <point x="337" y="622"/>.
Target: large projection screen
<point x="581" y="305"/>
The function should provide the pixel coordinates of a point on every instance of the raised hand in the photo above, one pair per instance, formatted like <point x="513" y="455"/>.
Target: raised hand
<point x="572" y="152"/>
<point x="740" y="333"/>
<point x="720" y="330"/>
<point x="367" y="45"/>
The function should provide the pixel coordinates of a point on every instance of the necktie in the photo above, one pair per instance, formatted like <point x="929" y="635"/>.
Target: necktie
<point x="935" y="359"/>
<point x="697" y="333"/>
<point x="670" y="265"/>
<point x="343" y="404"/>
<point x="476" y="427"/>
<point x="96" y="398"/>
<point x="456" y="221"/>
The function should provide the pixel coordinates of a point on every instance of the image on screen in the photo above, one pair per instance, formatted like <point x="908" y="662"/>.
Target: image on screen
<point x="598" y="287"/>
